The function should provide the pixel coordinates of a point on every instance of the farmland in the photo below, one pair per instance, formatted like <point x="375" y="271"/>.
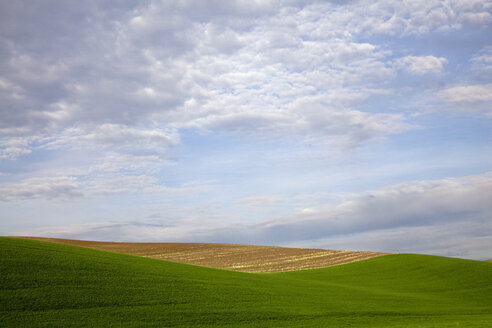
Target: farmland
<point x="244" y="258"/>
<point x="55" y="285"/>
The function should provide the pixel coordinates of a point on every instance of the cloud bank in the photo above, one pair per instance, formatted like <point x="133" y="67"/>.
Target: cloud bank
<point x="378" y="219"/>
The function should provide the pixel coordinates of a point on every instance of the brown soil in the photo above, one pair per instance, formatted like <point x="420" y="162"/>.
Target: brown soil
<point x="229" y="256"/>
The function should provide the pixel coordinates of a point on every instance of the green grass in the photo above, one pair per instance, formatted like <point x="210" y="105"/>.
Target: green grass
<point x="51" y="285"/>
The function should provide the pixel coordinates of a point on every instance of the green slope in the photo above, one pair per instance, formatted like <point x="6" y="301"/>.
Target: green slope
<point x="52" y="285"/>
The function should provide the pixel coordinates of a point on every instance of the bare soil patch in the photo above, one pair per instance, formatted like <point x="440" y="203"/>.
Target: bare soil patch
<point x="245" y="258"/>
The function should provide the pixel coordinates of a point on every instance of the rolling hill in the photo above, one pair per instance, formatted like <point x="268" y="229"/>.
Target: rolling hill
<point x="54" y="285"/>
<point x="246" y="258"/>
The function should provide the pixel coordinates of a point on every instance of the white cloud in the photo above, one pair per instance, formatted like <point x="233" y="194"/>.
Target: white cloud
<point x="129" y="65"/>
<point x="12" y="148"/>
<point x="407" y="17"/>
<point x="421" y="64"/>
<point x="237" y="67"/>
<point x="475" y="19"/>
<point x="470" y="99"/>
<point x="69" y="188"/>
<point x="209" y="65"/>
<point x="264" y="90"/>
<point x="116" y="136"/>
<point x="60" y="188"/>
<point x="124" y="147"/>
<point x="467" y="93"/>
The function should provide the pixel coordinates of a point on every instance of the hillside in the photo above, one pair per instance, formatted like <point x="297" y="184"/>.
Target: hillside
<point x="54" y="285"/>
<point x="244" y="258"/>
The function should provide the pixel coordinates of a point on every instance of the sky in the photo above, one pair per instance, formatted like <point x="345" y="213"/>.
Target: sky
<point x="358" y="125"/>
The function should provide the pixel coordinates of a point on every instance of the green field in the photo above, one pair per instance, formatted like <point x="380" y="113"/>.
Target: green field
<point x="52" y="285"/>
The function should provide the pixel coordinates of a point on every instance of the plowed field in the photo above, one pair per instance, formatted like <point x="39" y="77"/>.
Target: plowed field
<point x="229" y="256"/>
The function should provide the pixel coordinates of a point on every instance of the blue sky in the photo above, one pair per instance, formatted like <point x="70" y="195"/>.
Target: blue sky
<point x="350" y="125"/>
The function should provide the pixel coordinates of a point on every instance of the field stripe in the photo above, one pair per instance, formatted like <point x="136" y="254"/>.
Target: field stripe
<point x="246" y="258"/>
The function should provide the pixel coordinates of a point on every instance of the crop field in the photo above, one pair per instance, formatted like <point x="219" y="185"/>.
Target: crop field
<point x="55" y="285"/>
<point x="244" y="258"/>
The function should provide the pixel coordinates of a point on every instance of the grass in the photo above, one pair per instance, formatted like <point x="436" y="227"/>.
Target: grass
<point x="52" y="285"/>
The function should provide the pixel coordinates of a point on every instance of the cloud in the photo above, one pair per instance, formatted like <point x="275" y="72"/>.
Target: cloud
<point x="149" y="229"/>
<point x="475" y="19"/>
<point x="12" y="148"/>
<point x="69" y="188"/>
<point x="119" y="183"/>
<point x="122" y="146"/>
<point x="419" y="65"/>
<point x="442" y="206"/>
<point x="116" y="136"/>
<point x="113" y="162"/>
<point x="121" y="231"/>
<point x="112" y="184"/>
<point x="235" y="68"/>
<point x="470" y="99"/>
<point x="467" y="93"/>
<point x="53" y="188"/>
<point x="409" y="17"/>
<point x="84" y="70"/>
<point x="261" y="200"/>
<point x="482" y="61"/>
<point x="456" y="239"/>
<point x="130" y="64"/>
